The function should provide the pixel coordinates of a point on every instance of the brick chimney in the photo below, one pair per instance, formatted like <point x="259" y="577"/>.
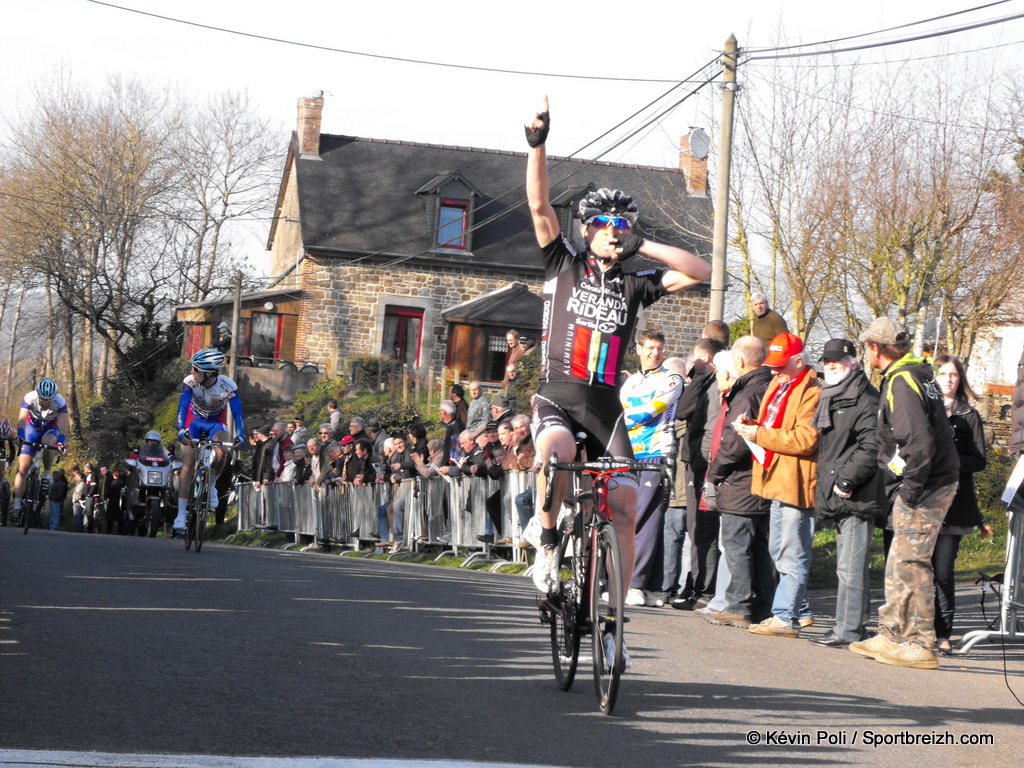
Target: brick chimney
<point x="310" y="110"/>
<point x="693" y="161"/>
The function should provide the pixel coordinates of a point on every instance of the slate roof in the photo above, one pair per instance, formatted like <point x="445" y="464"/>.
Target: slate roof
<point x="359" y="198"/>
<point x="511" y="306"/>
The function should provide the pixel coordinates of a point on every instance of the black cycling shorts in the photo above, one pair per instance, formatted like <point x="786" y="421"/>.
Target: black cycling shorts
<point x="597" y="411"/>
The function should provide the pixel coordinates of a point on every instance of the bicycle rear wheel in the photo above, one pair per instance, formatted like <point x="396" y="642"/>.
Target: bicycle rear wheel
<point x="607" y="616"/>
<point x="568" y="598"/>
<point x="194" y="504"/>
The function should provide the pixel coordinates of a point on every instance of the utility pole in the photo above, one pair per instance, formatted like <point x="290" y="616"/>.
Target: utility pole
<point x="236" y="311"/>
<point x="721" y="232"/>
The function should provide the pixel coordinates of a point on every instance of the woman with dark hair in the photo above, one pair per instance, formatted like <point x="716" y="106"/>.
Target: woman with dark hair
<point x="963" y="515"/>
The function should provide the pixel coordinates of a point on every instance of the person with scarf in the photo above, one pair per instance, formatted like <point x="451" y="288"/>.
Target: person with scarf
<point x="785" y="472"/>
<point x="849" y="491"/>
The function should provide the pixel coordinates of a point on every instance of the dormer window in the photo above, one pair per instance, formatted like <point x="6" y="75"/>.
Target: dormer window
<point x="453" y="221"/>
<point x="451" y="200"/>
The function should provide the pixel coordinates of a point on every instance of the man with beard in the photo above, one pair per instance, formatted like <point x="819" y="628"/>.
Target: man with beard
<point x="849" y="490"/>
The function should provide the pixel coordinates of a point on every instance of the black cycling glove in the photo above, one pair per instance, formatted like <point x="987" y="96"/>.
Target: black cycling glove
<point x="537" y="137"/>
<point x="630" y="244"/>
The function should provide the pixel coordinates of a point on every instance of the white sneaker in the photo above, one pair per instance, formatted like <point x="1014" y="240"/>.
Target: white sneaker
<point x="543" y="569"/>
<point x="609" y="651"/>
<point x="635" y="597"/>
<point x="179" y="521"/>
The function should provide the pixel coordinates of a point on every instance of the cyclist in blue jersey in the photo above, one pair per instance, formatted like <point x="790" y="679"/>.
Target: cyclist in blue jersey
<point x="590" y="307"/>
<point x="43" y="418"/>
<point x="205" y="399"/>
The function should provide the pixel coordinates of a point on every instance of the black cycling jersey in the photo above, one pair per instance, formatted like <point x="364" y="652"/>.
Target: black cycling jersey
<point x="589" y="315"/>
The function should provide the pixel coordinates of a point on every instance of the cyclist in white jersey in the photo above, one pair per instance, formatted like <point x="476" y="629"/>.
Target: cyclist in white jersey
<point x="43" y="418"/>
<point x="590" y="307"/>
<point x="203" y="407"/>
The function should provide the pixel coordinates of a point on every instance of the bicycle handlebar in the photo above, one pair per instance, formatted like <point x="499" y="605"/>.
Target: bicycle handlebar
<point x="600" y="466"/>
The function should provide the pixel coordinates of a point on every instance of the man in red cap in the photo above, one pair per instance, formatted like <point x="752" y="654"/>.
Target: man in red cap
<point x="785" y="472"/>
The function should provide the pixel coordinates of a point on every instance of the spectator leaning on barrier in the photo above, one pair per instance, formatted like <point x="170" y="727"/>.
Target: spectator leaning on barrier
<point x="362" y="470"/>
<point x="282" y="448"/>
<point x="785" y="472"/>
<point x="649" y="399"/>
<point x="263" y="457"/>
<point x="378" y="436"/>
<point x="479" y="408"/>
<point x="849" y="490"/>
<point x="313" y="451"/>
<point x="447" y="413"/>
<point x="918" y="459"/>
<point x="357" y="428"/>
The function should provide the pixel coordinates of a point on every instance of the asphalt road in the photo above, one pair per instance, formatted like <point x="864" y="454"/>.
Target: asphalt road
<point x="119" y="645"/>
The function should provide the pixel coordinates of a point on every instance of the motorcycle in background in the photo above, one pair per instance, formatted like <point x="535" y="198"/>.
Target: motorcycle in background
<point x="151" y="487"/>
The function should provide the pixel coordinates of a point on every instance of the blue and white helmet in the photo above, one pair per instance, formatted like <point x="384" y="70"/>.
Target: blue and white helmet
<point x="208" y="360"/>
<point x="47" y="389"/>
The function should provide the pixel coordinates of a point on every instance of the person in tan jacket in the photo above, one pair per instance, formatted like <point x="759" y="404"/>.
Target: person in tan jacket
<point x="785" y="472"/>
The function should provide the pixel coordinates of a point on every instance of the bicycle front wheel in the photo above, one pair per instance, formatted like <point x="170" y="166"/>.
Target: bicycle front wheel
<point x="29" y="502"/>
<point x="568" y="599"/>
<point x="607" y="615"/>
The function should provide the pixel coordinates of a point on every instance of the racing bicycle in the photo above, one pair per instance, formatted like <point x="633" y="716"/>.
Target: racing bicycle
<point x="199" y="495"/>
<point x="34" y="500"/>
<point x="588" y="597"/>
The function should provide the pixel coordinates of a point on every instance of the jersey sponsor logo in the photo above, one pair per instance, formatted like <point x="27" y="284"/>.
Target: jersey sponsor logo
<point x="605" y="312"/>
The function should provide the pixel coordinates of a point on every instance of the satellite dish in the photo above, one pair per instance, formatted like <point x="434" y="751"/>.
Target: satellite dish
<point x="699" y="143"/>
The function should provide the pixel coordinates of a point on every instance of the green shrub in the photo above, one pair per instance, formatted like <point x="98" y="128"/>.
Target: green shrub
<point x="373" y="371"/>
<point x="991" y="481"/>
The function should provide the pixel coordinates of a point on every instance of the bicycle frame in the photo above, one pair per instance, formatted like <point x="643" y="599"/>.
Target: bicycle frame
<point x="199" y="493"/>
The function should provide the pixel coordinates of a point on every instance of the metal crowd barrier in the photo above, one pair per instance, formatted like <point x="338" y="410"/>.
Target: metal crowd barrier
<point x="438" y="510"/>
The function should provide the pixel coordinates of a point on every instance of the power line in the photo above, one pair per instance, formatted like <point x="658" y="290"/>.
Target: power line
<point x="885" y="43"/>
<point x="877" y="32"/>
<point x="329" y="49"/>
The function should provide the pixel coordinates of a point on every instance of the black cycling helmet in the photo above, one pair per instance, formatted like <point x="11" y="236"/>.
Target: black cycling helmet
<point x="208" y="360"/>
<point x="47" y="389"/>
<point x="608" y="202"/>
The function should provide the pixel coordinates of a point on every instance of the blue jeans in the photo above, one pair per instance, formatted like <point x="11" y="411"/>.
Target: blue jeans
<point x="722" y="578"/>
<point x="853" y="557"/>
<point x="56" y="507"/>
<point x="790" y="539"/>
<point x="676" y="560"/>
<point x="397" y="518"/>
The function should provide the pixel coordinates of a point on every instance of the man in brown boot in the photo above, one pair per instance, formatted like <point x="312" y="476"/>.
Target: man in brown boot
<point x="921" y="469"/>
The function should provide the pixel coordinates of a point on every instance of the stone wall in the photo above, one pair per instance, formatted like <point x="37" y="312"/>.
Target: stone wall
<point x="343" y="315"/>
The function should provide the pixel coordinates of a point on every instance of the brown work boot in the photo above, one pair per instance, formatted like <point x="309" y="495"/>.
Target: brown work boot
<point x="874" y="646"/>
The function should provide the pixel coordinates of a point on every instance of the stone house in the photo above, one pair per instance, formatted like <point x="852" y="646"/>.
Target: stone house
<point x="426" y="253"/>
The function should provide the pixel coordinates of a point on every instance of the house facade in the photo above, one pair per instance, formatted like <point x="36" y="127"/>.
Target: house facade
<point x="426" y="253"/>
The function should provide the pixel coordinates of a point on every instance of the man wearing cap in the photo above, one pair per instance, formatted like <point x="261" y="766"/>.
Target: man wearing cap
<point x="223" y="342"/>
<point x="921" y="469"/>
<point x="263" y="457"/>
<point x="849" y="490"/>
<point x="499" y="409"/>
<point x="785" y="472"/>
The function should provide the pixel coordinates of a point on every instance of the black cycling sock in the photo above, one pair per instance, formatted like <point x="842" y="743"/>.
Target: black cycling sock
<point x="548" y="537"/>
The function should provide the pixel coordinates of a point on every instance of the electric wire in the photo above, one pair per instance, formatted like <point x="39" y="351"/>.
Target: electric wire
<point x="884" y="43"/>
<point x="423" y="62"/>
<point x="878" y="31"/>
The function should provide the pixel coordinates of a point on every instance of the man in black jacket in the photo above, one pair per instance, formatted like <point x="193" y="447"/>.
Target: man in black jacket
<point x="918" y="459"/>
<point x="849" y="489"/>
<point x="744" y="515"/>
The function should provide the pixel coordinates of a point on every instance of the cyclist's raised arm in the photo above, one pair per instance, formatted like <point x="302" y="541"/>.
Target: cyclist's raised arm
<point x="685" y="269"/>
<point x="538" y="192"/>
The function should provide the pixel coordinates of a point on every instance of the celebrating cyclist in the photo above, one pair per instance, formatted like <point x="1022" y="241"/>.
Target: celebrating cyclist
<point x="590" y="307"/>
<point x="43" y="418"/>
<point x="203" y="407"/>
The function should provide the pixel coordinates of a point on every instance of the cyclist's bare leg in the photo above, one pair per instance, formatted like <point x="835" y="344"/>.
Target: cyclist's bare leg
<point x="24" y="462"/>
<point x="563" y="444"/>
<point x="622" y="500"/>
<point x="49" y="452"/>
<point x="188" y="462"/>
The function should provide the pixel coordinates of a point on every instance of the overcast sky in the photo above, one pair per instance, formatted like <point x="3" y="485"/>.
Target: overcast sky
<point x="654" y="40"/>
